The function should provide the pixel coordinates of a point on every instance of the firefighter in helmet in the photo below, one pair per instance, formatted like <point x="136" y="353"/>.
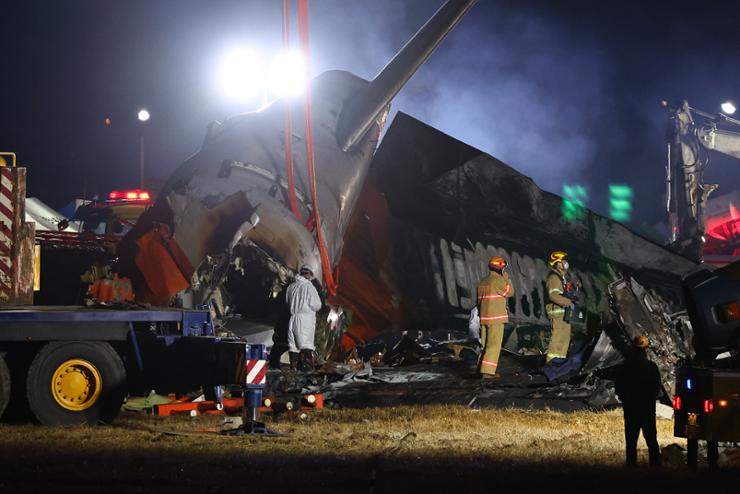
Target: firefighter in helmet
<point x="493" y="290"/>
<point x="559" y="300"/>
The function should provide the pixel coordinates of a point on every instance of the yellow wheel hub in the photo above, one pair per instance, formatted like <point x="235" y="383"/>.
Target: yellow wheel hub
<point x="76" y="385"/>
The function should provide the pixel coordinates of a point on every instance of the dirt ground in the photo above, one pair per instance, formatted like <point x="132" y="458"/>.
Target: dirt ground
<point x="372" y="450"/>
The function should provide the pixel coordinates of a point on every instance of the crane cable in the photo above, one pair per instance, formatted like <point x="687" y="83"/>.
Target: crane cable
<point x="303" y="38"/>
<point x="288" y="124"/>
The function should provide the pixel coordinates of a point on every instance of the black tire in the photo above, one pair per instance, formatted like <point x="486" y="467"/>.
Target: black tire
<point x="4" y="385"/>
<point x="18" y="360"/>
<point x="103" y="397"/>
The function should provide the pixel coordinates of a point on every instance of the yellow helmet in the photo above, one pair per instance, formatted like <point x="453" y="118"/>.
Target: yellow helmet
<point x="557" y="256"/>
<point x="641" y="342"/>
<point x="2" y="161"/>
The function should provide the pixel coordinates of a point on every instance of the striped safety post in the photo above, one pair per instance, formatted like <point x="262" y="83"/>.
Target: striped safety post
<point x="256" y="379"/>
<point x="7" y="228"/>
<point x="13" y="232"/>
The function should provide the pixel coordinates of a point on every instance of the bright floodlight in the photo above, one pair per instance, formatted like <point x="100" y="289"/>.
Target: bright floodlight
<point x="241" y="74"/>
<point x="287" y="75"/>
<point x="143" y="115"/>
<point x="728" y="108"/>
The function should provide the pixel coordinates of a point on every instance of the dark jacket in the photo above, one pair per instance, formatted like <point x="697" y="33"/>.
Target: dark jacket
<point x="638" y="382"/>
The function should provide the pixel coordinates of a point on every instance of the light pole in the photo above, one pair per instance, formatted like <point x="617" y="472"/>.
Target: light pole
<point x="143" y="116"/>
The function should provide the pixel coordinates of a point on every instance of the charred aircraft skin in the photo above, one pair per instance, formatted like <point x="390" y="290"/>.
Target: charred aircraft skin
<point x="449" y="208"/>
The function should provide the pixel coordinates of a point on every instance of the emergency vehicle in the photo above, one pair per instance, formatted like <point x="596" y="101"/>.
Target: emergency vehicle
<point x="707" y="399"/>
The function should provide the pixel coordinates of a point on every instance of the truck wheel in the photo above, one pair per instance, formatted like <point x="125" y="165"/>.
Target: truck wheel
<point x="4" y="385"/>
<point x="76" y="382"/>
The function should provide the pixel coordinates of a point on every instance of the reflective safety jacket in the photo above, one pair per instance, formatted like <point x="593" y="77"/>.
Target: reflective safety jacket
<point x="493" y="290"/>
<point x="555" y="293"/>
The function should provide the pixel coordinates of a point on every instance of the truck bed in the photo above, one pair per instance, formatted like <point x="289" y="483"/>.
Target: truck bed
<point x="27" y="323"/>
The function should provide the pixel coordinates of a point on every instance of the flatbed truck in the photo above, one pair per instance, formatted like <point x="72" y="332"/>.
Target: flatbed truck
<point x="76" y="365"/>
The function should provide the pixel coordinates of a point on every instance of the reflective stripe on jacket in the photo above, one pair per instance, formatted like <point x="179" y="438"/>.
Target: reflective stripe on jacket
<point x="493" y="290"/>
<point x="555" y="289"/>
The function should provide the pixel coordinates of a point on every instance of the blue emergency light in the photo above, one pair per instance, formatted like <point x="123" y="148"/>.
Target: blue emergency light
<point x="688" y="384"/>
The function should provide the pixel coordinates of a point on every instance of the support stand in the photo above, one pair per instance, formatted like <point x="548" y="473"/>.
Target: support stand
<point x="251" y="426"/>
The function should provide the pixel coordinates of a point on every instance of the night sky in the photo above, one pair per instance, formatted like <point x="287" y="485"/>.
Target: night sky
<point x="566" y="91"/>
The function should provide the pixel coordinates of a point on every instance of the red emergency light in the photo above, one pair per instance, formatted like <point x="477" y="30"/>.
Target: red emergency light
<point x="129" y="195"/>
<point x="708" y="406"/>
<point x="677" y="402"/>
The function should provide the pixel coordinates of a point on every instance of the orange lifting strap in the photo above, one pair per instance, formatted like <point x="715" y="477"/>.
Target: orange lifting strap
<point x="303" y="37"/>
<point x="288" y="127"/>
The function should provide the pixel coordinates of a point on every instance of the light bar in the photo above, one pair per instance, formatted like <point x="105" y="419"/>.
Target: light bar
<point x="129" y="195"/>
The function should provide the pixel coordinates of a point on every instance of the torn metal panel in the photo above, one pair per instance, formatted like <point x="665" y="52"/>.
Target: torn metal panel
<point x="201" y="231"/>
<point x="603" y="355"/>
<point x="645" y="312"/>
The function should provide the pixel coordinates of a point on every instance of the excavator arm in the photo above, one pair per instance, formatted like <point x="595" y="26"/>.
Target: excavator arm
<point x="722" y="141"/>
<point x="692" y="132"/>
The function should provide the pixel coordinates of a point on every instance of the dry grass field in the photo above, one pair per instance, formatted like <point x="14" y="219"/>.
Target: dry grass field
<point x="370" y="450"/>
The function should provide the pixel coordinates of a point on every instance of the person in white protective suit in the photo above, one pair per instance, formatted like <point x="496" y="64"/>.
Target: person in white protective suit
<point x="304" y="302"/>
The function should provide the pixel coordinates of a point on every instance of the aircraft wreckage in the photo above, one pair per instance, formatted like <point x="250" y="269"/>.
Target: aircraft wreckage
<point x="434" y="210"/>
<point x="408" y="228"/>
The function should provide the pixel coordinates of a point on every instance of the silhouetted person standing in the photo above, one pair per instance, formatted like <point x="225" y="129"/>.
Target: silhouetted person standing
<point x="638" y="385"/>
